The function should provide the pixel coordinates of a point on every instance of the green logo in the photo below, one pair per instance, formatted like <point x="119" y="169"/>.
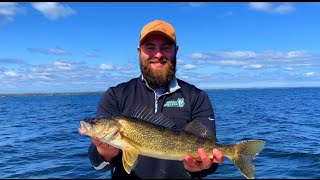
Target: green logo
<point x="178" y="103"/>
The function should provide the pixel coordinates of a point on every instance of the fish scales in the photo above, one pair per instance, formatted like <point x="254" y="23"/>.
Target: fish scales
<point x="139" y="137"/>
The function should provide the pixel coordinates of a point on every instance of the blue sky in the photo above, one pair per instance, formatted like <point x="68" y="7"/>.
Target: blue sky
<point x="75" y="47"/>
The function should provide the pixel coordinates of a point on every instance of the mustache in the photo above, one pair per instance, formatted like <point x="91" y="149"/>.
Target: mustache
<point x="158" y="60"/>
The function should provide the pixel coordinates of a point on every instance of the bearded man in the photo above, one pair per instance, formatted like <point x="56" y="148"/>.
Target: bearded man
<point x="159" y="89"/>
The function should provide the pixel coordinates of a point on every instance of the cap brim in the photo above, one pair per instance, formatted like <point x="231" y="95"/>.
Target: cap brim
<point x="157" y="32"/>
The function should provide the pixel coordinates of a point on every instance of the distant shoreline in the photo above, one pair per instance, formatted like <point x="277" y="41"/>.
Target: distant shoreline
<point x="101" y="92"/>
<point x="51" y="94"/>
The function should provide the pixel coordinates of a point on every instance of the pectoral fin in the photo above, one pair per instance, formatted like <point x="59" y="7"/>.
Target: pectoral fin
<point x="129" y="158"/>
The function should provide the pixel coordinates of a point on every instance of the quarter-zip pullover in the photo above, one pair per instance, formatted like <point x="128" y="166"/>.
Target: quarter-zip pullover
<point x="180" y="101"/>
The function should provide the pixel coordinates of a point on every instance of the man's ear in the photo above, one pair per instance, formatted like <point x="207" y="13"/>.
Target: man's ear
<point x="177" y="48"/>
<point x="138" y="49"/>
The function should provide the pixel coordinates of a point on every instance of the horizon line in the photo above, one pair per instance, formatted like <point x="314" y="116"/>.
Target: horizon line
<point x="100" y="92"/>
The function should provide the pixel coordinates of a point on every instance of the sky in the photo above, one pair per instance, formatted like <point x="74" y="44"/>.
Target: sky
<point x="80" y="46"/>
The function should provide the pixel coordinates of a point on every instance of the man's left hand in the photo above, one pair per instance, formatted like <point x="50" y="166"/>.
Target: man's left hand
<point x="192" y="165"/>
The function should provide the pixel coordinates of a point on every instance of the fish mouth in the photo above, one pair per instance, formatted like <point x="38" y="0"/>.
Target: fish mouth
<point x="84" y="127"/>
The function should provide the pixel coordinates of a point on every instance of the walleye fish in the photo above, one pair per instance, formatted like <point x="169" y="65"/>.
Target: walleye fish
<point x="151" y="134"/>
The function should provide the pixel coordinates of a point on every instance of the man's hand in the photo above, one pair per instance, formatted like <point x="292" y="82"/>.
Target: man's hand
<point x="106" y="151"/>
<point x="192" y="165"/>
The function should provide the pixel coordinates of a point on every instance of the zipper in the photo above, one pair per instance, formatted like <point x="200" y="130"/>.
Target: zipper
<point x="156" y="102"/>
<point x="157" y="97"/>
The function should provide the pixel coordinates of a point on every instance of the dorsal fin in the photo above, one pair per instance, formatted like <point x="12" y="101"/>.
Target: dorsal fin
<point x="147" y="114"/>
<point x="197" y="128"/>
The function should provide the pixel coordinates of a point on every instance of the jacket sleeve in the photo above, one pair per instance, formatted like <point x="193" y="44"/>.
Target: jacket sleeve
<point x="108" y="106"/>
<point x="202" y="112"/>
<point x="98" y="163"/>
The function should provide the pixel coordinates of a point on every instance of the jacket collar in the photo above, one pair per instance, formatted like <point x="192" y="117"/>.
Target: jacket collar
<point x="173" y="85"/>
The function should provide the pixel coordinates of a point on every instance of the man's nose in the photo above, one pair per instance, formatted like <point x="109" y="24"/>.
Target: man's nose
<point x="158" y="55"/>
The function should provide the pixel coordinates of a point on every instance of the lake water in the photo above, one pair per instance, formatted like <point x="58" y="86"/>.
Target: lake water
<point x="39" y="138"/>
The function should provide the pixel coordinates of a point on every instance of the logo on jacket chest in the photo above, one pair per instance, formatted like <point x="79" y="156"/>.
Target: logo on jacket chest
<point x="178" y="103"/>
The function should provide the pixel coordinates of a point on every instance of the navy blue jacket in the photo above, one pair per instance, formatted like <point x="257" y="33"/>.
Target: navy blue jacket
<point x="181" y="102"/>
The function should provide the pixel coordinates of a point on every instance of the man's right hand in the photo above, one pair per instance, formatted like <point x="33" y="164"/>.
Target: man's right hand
<point x="106" y="151"/>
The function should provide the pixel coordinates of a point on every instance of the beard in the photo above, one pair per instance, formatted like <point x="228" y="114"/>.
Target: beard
<point x="155" y="77"/>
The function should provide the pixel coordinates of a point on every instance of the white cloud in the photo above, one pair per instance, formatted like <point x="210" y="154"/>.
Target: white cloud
<point x="57" y="63"/>
<point x="180" y="61"/>
<point x="298" y="54"/>
<point x="10" y="74"/>
<point x="263" y="6"/>
<point x="223" y="55"/>
<point x="271" y="8"/>
<point x="253" y="66"/>
<point x="7" y="11"/>
<point x="92" y="54"/>
<point x="238" y="54"/>
<point x="63" y="76"/>
<point x="38" y="76"/>
<point x="189" y="67"/>
<point x="284" y="8"/>
<point x="288" y="68"/>
<point x="57" y="51"/>
<point x="198" y="56"/>
<point x="196" y="4"/>
<point x="287" y="56"/>
<point x="53" y="10"/>
<point x="221" y="67"/>
<point x="62" y="65"/>
<point x="8" y="8"/>
<point x="256" y="60"/>
<point x="309" y="74"/>
<point x="231" y="63"/>
<point x="105" y="67"/>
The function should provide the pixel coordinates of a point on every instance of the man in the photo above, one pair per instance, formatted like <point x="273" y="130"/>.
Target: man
<point x="157" y="88"/>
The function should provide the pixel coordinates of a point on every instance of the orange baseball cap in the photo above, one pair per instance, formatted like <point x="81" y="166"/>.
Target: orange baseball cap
<point x="158" y="26"/>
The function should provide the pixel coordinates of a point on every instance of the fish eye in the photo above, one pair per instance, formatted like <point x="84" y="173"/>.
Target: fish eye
<point x="94" y="121"/>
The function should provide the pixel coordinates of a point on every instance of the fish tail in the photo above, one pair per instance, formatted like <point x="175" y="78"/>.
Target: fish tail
<point x="242" y="153"/>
